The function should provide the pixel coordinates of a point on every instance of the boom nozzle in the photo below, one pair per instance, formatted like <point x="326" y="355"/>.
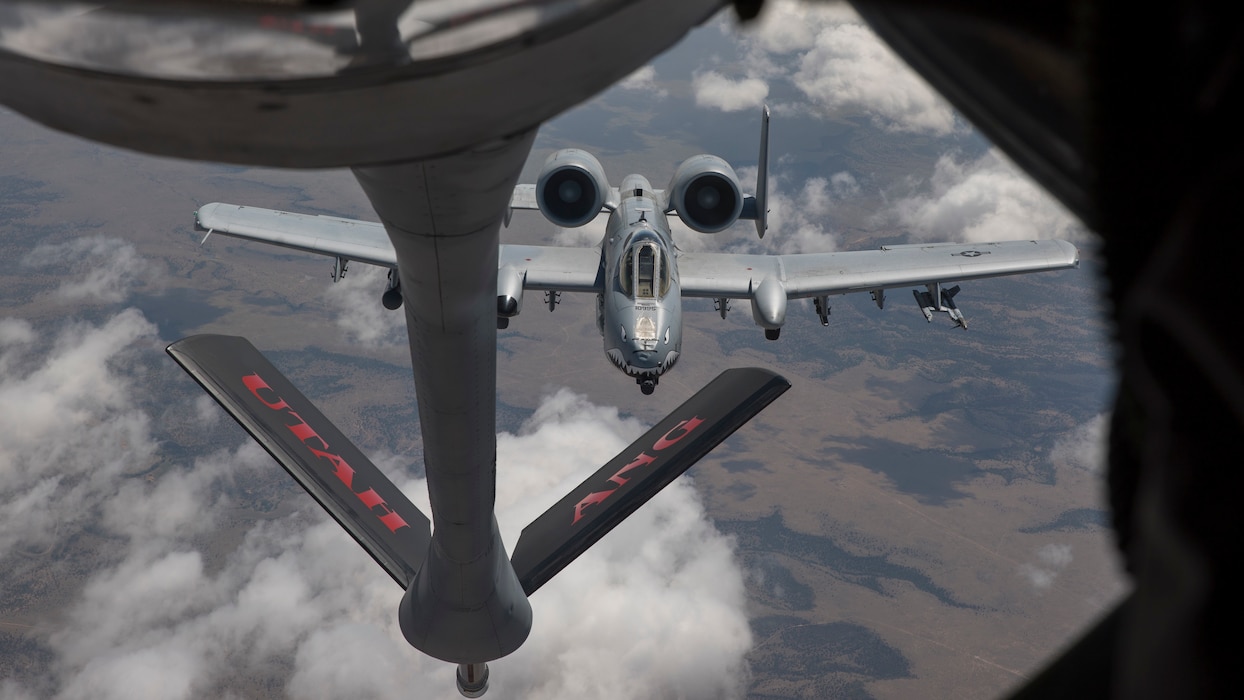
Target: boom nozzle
<point x="472" y="679"/>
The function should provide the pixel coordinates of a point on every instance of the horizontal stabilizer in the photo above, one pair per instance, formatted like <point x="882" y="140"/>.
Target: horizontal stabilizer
<point x="336" y="474"/>
<point x="631" y="479"/>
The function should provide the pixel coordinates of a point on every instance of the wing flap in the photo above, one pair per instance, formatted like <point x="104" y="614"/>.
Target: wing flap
<point x="639" y="472"/>
<point x="818" y="274"/>
<point x="319" y="457"/>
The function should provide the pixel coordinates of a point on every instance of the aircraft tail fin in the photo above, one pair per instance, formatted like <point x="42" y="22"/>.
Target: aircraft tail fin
<point x="762" y="176"/>
<point x="319" y="457"/>
<point x="756" y="207"/>
<point x="639" y="472"/>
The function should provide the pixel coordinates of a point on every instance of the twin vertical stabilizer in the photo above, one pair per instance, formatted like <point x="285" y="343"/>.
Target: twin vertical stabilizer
<point x="756" y="207"/>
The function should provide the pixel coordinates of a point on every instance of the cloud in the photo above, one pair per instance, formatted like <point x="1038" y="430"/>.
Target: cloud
<point x="841" y="69"/>
<point x="69" y="426"/>
<point x="799" y="219"/>
<point x="98" y="269"/>
<point x="654" y="609"/>
<point x="1085" y="447"/>
<point x="15" y="331"/>
<point x="712" y="89"/>
<point x="644" y="80"/>
<point x="849" y="69"/>
<point x="1051" y="559"/>
<point x="191" y="601"/>
<point x="356" y="301"/>
<point x="986" y="199"/>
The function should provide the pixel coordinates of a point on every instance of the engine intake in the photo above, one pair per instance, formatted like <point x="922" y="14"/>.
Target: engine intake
<point x="572" y="188"/>
<point x="705" y="193"/>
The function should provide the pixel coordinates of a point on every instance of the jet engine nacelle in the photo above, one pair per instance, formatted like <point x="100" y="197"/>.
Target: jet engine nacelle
<point x="572" y="188"/>
<point x="705" y="193"/>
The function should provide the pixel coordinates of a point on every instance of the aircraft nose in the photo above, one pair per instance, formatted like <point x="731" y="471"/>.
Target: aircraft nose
<point x="643" y="356"/>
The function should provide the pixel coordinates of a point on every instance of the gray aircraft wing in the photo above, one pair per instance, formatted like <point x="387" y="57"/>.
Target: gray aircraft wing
<point x="734" y="276"/>
<point x="539" y="267"/>
<point x="363" y="241"/>
<point x="552" y="268"/>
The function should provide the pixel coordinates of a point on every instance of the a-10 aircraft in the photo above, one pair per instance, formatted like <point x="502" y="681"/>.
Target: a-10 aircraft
<point x="637" y="273"/>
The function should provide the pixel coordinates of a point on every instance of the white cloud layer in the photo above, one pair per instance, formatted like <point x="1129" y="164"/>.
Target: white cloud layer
<point x="1085" y="447"/>
<point x="97" y="269"/>
<point x="1051" y="560"/>
<point x="356" y="301"/>
<point x="986" y="199"/>
<point x="192" y="602"/>
<point x="712" y="89"/>
<point x="69" y="429"/>
<point x="799" y="219"/>
<point x="644" y="80"/>
<point x="842" y="69"/>
<point x="656" y="609"/>
<point x="849" y="69"/>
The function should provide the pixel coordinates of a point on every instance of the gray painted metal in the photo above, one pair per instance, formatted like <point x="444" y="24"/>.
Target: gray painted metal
<point x="766" y="281"/>
<point x="593" y="508"/>
<point x="435" y="124"/>
<point x="443" y="218"/>
<point x="542" y="267"/>
<point x="814" y="274"/>
<point x="225" y="86"/>
<point x="718" y="212"/>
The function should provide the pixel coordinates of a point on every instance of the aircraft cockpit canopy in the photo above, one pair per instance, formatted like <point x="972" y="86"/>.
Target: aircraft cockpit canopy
<point x="644" y="272"/>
